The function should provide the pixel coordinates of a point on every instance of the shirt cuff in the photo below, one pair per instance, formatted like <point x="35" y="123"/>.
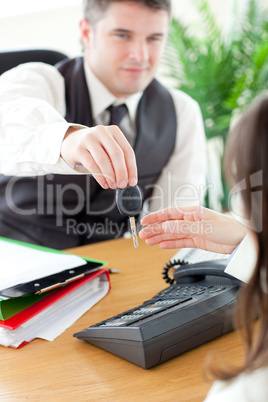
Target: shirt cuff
<point x="49" y="146"/>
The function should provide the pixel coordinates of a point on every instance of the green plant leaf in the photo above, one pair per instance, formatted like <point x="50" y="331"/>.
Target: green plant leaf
<point x="223" y="74"/>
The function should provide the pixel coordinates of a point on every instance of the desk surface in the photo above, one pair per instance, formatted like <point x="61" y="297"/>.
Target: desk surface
<point x="68" y="369"/>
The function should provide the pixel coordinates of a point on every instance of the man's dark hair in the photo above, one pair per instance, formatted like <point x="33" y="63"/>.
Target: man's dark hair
<point x="95" y="9"/>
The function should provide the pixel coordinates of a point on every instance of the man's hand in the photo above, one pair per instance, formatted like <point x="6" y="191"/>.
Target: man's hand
<point x="104" y="152"/>
<point x="195" y="226"/>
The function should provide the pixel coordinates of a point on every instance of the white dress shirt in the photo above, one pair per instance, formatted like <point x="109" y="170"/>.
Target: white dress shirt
<point x="247" y="387"/>
<point x="32" y="127"/>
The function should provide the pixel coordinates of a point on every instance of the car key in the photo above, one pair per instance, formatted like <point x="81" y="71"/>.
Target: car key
<point x="129" y="203"/>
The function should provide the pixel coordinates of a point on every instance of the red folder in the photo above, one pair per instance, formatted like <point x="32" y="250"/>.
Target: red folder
<point x="16" y="320"/>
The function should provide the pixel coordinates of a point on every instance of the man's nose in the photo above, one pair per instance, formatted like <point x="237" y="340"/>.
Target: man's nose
<point x="139" y="51"/>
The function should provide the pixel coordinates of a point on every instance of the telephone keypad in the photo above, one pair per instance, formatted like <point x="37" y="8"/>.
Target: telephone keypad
<point x="170" y="297"/>
<point x="146" y="310"/>
<point x="189" y="290"/>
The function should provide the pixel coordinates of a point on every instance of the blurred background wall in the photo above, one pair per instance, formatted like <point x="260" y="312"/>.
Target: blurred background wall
<point x="54" y="23"/>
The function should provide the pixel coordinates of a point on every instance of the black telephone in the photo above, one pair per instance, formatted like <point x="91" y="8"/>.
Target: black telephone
<point x="196" y="308"/>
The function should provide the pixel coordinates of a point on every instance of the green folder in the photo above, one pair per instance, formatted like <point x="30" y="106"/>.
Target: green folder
<point x="10" y="307"/>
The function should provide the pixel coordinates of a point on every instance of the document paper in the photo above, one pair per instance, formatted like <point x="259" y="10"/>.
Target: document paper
<point x="52" y="321"/>
<point x="194" y="255"/>
<point x="21" y="264"/>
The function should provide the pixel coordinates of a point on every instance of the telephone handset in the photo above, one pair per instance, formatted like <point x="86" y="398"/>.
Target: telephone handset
<point x="196" y="308"/>
<point x="190" y="273"/>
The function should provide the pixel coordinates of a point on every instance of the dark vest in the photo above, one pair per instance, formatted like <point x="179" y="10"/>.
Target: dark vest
<point x="63" y="211"/>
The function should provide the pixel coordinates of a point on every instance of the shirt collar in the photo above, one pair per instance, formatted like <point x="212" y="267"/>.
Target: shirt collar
<point x="104" y="98"/>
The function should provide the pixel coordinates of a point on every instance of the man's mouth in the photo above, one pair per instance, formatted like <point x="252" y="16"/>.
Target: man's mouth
<point x="135" y="70"/>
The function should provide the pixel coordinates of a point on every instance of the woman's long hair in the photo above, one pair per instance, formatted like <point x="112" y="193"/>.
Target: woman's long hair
<point x="246" y="163"/>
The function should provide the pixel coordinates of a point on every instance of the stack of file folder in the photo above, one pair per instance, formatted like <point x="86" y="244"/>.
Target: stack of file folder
<point x="44" y="291"/>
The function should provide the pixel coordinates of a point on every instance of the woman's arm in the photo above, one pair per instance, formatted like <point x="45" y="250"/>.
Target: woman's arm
<point x="198" y="227"/>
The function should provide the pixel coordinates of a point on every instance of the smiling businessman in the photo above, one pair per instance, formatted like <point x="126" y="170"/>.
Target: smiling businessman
<point x="62" y="152"/>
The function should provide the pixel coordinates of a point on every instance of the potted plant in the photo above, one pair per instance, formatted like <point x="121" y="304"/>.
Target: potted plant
<point x="223" y="74"/>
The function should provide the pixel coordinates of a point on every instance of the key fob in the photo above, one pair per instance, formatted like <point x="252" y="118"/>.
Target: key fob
<point x="129" y="200"/>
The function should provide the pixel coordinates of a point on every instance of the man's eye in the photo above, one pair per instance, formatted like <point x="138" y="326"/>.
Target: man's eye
<point x="154" y="39"/>
<point x="122" y="35"/>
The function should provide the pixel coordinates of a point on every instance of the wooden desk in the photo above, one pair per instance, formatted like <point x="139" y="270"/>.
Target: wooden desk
<point x="68" y="369"/>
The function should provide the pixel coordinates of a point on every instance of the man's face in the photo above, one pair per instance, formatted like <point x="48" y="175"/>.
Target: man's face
<point x="124" y="48"/>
